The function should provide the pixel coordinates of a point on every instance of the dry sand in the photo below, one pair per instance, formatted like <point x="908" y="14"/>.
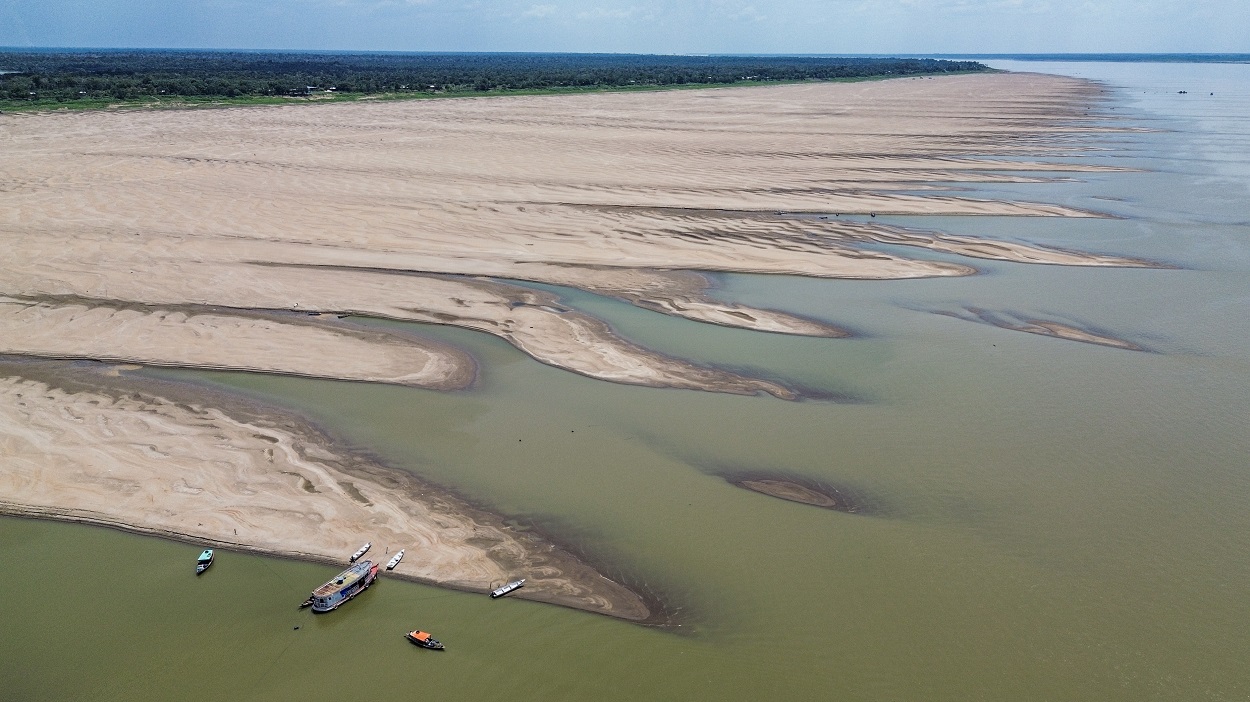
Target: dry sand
<point x="144" y="463"/>
<point x="201" y="238"/>
<point x="170" y="337"/>
<point x="620" y="194"/>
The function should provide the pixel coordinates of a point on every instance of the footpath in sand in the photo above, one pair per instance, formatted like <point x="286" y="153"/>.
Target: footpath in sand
<point x="241" y="239"/>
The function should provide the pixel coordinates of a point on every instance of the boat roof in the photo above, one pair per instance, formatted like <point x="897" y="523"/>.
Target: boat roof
<point x="420" y="635"/>
<point x="208" y="553"/>
<point x="343" y="579"/>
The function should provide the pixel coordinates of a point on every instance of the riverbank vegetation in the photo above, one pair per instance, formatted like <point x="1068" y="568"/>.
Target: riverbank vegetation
<point x="43" y="79"/>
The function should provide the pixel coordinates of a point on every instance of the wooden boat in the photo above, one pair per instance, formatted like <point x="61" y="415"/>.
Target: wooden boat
<point x="390" y="565"/>
<point x="501" y="591"/>
<point x="204" y="561"/>
<point x="344" y="586"/>
<point x="424" y="640"/>
<point x="363" y="550"/>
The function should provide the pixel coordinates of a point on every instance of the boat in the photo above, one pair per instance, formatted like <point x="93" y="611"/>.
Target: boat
<point x="501" y="591"/>
<point x="363" y="550"/>
<point x="390" y="565"/>
<point x="424" y="640"/>
<point x="204" y="561"/>
<point x="344" y="586"/>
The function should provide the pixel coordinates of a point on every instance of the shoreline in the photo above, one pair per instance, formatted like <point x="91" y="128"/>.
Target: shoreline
<point x="237" y="238"/>
<point x="16" y="108"/>
<point x="73" y="456"/>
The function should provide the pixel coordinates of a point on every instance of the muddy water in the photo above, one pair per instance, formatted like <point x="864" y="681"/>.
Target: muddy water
<point x="1042" y="519"/>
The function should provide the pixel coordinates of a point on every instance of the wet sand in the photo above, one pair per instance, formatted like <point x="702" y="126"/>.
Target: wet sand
<point x="1023" y="323"/>
<point x="805" y="492"/>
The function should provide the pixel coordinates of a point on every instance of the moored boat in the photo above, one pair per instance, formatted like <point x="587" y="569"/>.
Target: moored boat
<point x="204" y="561"/>
<point x="390" y="565"/>
<point x="344" y="586"/>
<point x="363" y="550"/>
<point x="501" y="591"/>
<point x="424" y="640"/>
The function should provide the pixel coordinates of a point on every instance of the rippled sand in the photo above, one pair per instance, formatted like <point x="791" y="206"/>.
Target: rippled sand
<point x="629" y="195"/>
<point x="238" y="238"/>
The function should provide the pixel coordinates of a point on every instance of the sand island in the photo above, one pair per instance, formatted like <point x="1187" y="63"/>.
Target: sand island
<point x="247" y="238"/>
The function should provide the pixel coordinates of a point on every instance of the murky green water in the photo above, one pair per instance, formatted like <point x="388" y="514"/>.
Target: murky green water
<point x="1046" y="520"/>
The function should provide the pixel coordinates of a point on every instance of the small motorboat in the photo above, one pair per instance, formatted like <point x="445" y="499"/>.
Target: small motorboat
<point x="424" y="640"/>
<point x="306" y="603"/>
<point x="501" y="591"/>
<point x="204" y="561"/>
<point x="363" y="550"/>
<point x="390" y="565"/>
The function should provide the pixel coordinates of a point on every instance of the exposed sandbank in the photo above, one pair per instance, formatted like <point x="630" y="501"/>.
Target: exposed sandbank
<point x="131" y="459"/>
<point x="620" y="194"/>
<point x="808" y="492"/>
<point x="173" y="237"/>
<point x="1023" y="323"/>
<point x="198" y="339"/>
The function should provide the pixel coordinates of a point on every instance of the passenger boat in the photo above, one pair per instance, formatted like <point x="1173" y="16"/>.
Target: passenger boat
<point x="390" y="565"/>
<point x="344" y="586"/>
<point x="501" y="591"/>
<point x="424" y="640"/>
<point x="204" y="561"/>
<point x="363" y="550"/>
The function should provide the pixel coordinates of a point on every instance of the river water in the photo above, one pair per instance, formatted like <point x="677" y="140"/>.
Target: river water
<point x="1042" y="519"/>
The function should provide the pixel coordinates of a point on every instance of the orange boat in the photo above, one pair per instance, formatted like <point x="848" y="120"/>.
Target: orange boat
<point x="424" y="640"/>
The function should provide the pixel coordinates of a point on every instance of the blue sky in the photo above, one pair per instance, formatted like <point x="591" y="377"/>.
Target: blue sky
<point x="644" y="26"/>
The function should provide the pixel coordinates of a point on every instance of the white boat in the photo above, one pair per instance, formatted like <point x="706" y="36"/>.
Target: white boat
<point x="501" y="591"/>
<point x="390" y="565"/>
<point x="363" y="550"/>
<point x="343" y="586"/>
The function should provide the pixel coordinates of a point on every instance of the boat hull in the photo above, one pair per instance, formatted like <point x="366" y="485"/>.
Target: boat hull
<point x="430" y="643"/>
<point x="329" y="601"/>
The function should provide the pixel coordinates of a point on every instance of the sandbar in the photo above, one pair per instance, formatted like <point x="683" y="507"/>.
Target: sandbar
<point x="205" y="238"/>
<point x="124" y="457"/>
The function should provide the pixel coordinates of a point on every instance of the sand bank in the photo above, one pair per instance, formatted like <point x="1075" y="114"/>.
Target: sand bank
<point x="138" y="461"/>
<point x="619" y="194"/>
<point x="533" y="321"/>
<point x="197" y="339"/>
<point x="807" y="492"/>
<point x="202" y="237"/>
<point x="1031" y="325"/>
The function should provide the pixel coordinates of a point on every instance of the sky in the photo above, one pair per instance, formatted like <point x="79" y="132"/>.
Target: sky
<point x="637" y="26"/>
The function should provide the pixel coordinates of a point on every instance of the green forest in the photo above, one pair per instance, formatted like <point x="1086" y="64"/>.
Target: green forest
<point x="51" y="77"/>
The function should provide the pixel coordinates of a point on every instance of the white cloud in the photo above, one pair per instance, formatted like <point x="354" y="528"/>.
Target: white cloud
<point x="540" y="11"/>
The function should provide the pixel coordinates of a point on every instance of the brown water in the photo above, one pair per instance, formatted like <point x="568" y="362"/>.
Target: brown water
<point x="1042" y="519"/>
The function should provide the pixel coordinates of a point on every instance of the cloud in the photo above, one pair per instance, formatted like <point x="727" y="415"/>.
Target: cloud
<point x="748" y="13"/>
<point x="631" y="13"/>
<point x="540" y="11"/>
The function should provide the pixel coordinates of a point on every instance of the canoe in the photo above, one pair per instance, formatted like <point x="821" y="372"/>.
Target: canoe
<point x="501" y="591"/>
<point x="390" y="565"/>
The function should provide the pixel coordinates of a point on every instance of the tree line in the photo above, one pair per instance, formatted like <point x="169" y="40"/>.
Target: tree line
<point x="132" y="74"/>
